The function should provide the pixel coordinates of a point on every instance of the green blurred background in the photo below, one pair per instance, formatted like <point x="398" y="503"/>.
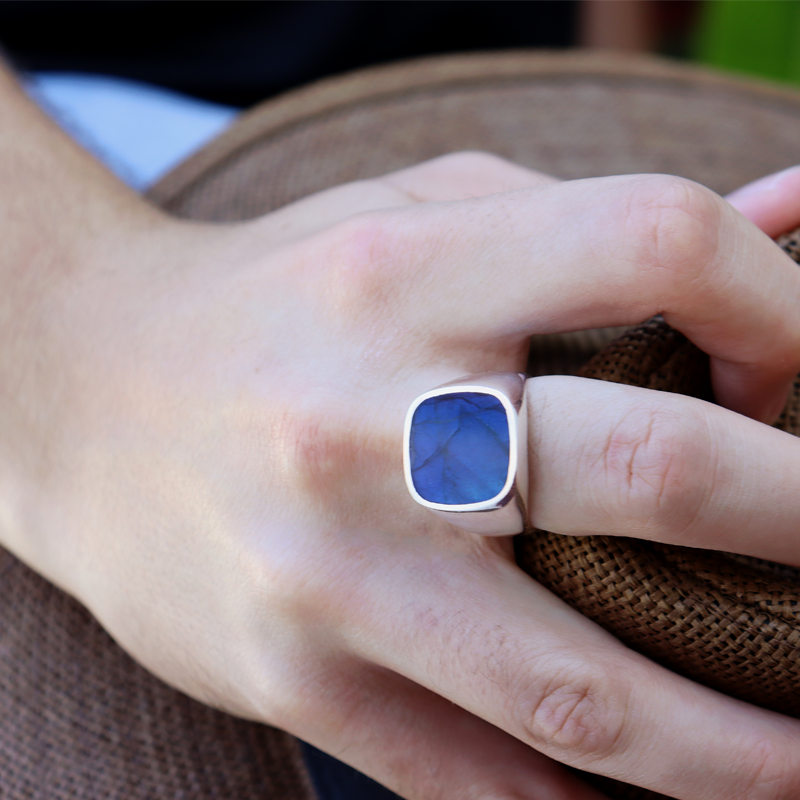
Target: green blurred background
<point x="760" y="38"/>
<point x="752" y="37"/>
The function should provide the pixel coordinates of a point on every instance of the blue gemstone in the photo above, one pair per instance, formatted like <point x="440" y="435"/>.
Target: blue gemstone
<point x="459" y="448"/>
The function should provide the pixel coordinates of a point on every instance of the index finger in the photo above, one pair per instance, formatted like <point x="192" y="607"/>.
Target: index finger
<point x="589" y="253"/>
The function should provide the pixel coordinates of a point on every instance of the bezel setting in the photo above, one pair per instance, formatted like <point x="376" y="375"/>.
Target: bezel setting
<point x="503" y="514"/>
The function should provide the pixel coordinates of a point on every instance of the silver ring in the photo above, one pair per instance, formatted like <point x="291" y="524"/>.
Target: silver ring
<point x="465" y="452"/>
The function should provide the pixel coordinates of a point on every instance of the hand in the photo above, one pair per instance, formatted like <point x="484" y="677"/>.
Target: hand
<point x="219" y="480"/>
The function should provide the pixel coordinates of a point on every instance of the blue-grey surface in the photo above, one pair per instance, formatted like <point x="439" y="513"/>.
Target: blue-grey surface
<point x="139" y="131"/>
<point x="459" y="448"/>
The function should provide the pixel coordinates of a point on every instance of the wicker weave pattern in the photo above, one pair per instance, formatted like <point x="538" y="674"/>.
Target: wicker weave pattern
<point x="82" y="721"/>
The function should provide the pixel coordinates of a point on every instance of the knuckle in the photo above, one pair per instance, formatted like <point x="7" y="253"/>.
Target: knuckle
<point x="768" y="774"/>
<point x="653" y="461"/>
<point x="333" y="466"/>
<point x="475" y="161"/>
<point x="578" y="714"/>
<point x="315" y="456"/>
<point x="674" y="224"/>
<point x="359" y="260"/>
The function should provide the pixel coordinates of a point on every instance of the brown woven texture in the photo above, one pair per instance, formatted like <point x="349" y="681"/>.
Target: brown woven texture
<point x="80" y="720"/>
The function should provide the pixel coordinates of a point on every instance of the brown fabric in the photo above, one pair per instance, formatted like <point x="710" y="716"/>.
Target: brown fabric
<point x="79" y="719"/>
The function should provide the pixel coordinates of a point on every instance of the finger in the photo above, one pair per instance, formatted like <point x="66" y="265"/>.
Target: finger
<point x="460" y="176"/>
<point x="592" y="253"/>
<point x="772" y="202"/>
<point x="621" y="460"/>
<point x="456" y="176"/>
<point x="419" y="745"/>
<point x="476" y="630"/>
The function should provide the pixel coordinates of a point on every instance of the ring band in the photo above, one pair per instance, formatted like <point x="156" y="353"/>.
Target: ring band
<point x="465" y="452"/>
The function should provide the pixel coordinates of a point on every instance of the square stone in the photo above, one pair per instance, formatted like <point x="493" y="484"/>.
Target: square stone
<point x="459" y="448"/>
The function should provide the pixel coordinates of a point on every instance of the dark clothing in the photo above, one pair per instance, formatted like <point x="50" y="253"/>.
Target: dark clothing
<point x="241" y="52"/>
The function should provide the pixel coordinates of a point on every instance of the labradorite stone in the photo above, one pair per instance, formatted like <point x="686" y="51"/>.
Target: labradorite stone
<point x="459" y="448"/>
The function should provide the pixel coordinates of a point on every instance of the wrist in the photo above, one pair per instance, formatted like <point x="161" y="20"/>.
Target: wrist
<point x="57" y="294"/>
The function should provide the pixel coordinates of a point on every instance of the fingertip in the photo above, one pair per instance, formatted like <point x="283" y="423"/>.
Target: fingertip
<point x="771" y="202"/>
<point x="465" y="175"/>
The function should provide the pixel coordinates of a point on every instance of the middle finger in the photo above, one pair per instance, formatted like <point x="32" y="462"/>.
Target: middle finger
<point x="591" y="253"/>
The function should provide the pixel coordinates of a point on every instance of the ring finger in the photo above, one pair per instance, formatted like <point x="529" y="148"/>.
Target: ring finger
<point x="612" y="459"/>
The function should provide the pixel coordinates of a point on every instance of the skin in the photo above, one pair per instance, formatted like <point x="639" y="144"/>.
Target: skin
<point x="200" y="437"/>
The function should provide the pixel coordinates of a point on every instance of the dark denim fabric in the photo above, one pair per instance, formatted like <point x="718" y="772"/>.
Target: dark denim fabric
<point x="334" y="780"/>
